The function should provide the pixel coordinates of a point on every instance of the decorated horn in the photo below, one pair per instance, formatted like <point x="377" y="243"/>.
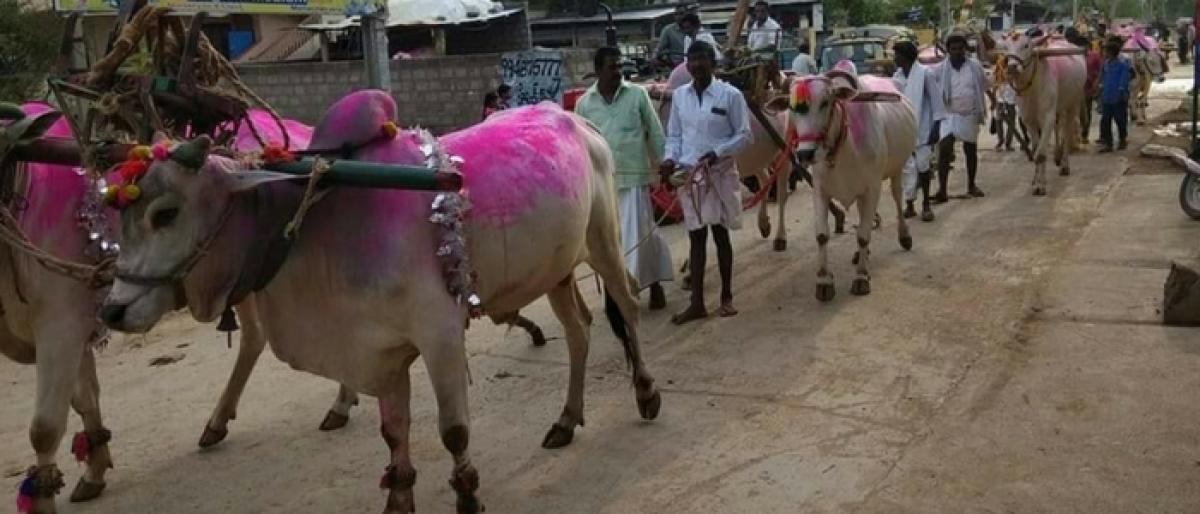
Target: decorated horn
<point x="192" y="154"/>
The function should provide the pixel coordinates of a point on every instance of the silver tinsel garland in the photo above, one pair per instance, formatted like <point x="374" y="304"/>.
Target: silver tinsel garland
<point x="448" y="210"/>
<point x="93" y="219"/>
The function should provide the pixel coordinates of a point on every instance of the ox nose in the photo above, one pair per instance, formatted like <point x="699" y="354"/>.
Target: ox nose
<point x="112" y="315"/>
<point x="806" y="156"/>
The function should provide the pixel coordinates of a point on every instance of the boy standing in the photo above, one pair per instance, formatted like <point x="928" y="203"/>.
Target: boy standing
<point x="1114" y="97"/>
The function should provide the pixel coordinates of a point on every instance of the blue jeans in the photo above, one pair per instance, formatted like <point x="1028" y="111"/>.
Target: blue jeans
<point x="1118" y="111"/>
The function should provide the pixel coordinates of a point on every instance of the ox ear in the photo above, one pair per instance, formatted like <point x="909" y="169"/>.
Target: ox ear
<point x="244" y="181"/>
<point x="777" y="104"/>
<point x="843" y="91"/>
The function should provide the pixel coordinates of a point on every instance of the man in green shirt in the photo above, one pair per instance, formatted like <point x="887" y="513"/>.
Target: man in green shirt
<point x="629" y="124"/>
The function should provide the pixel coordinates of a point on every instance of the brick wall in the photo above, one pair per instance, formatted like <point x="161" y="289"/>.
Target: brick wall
<point x="441" y="94"/>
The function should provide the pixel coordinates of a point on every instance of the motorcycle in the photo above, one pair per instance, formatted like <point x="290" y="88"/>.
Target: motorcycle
<point x="1189" y="194"/>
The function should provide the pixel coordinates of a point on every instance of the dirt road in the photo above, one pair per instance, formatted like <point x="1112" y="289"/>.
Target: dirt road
<point x="1010" y="363"/>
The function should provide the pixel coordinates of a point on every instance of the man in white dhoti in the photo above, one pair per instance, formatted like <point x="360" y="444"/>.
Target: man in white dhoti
<point x="629" y="124"/>
<point x="964" y="90"/>
<point x="709" y="125"/>
<point x="921" y="88"/>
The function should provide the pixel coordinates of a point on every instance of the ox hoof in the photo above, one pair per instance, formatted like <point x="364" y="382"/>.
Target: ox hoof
<point x="536" y="337"/>
<point x="86" y="491"/>
<point x="860" y="287"/>
<point x="1039" y="191"/>
<point x="780" y="245"/>
<point x="764" y="229"/>
<point x="212" y="436"/>
<point x="825" y="292"/>
<point x="1058" y="160"/>
<point x="649" y="407"/>
<point x="1064" y="172"/>
<point x="333" y="421"/>
<point x="559" y="436"/>
<point x="854" y="260"/>
<point x="906" y="242"/>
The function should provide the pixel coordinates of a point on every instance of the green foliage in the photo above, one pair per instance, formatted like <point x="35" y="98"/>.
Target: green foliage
<point x="29" y="40"/>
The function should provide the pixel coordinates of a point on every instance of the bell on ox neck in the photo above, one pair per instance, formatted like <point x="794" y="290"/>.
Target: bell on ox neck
<point x="228" y="324"/>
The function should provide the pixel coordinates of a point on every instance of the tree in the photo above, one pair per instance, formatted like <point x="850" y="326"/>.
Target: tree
<point x="29" y="40"/>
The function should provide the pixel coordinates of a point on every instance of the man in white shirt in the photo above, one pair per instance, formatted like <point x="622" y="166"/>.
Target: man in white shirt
<point x="762" y="31"/>
<point x="692" y="31"/>
<point x="804" y="64"/>
<point x="965" y="89"/>
<point x="921" y="88"/>
<point x="709" y="125"/>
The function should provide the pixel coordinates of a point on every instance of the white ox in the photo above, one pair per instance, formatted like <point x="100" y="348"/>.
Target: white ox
<point x="362" y="292"/>
<point x="856" y="132"/>
<point x="1149" y="64"/>
<point x="1050" y="92"/>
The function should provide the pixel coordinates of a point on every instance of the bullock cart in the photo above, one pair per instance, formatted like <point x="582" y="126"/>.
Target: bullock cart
<point x="159" y="77"/>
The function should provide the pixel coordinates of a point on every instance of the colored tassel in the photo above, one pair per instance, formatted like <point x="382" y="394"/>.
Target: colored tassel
<point x="25" y="494"/>
<point x="81" y="447"/>
<point x="161" y="152"/>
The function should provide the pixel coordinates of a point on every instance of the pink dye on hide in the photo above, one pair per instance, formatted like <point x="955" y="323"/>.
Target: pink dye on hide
<point x="516" y="156"/>
<point x="355" y="120"/>
<point x="48" y="214"/>
<point x="299" y="134"/>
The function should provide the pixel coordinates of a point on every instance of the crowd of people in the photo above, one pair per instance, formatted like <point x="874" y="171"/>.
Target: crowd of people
<point x="709" y="124"/>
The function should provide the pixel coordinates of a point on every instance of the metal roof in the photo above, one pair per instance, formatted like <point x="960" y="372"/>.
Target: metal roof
<point x="346" y="23"/>
<point x="639" y="15"/>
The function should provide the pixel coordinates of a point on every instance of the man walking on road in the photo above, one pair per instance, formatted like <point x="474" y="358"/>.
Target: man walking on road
<point x="964" y="89"/>
<point x="1114" y="97"/>
<point x="921" y="89"/>
<point x="629" y="124"/>
<point x="709" y="125"/>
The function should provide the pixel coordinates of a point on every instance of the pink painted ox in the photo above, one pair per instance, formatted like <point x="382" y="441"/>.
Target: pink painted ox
<point x="1049" y="96"/>
<point x="1150" y="64"/>
<point x="51" y="320"/>
<point x="855" y="132"/>
<point x="362" y="293"/>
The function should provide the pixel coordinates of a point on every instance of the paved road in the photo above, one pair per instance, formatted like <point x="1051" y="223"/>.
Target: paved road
<point x="1011" y="362"/>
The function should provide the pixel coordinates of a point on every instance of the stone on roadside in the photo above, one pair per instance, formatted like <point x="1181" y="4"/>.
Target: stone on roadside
<point x="1181" y="296"/>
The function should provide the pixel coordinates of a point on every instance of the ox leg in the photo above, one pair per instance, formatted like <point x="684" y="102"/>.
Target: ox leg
<point x="447" y="365"/>
<point x="867" y="208"/>
<point x="620" y="307"/>
<point x="781" y="185"/>
<point x="339" y="413"/>
<point x="251" y="344"/>
<point x="563" y="302"/>
<point x="91" y="445"/>
<point x="825" y="288"/>
<point x="1042" y="134"/>
<point x="901" y="223"/>
<point x="60" y="352"/>
<point x="395" y="418"/>
<point x="764" y="216"/>
<point x="535" y="332"/>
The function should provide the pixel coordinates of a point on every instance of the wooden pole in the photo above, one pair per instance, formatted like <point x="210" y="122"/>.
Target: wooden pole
<point x="734" y="31"/>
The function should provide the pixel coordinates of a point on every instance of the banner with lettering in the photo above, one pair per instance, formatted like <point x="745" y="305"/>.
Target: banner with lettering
<point x="534" y="76"/>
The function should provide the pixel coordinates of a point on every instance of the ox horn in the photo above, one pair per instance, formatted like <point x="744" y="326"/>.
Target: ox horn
<point x="192" y="154"/>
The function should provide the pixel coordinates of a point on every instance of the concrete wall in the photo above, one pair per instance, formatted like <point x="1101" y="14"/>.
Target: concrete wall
<point x="441" y="94"/>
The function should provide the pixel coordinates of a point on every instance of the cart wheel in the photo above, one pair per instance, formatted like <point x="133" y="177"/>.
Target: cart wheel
<point x="1189" y="195"/>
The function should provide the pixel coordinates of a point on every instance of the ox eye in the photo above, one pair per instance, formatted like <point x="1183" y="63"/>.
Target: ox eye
<point x="824" y="103"/>
<point x="164" y="218"/>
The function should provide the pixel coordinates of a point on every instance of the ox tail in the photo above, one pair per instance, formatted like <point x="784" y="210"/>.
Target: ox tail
<point x="620" y="326"/>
